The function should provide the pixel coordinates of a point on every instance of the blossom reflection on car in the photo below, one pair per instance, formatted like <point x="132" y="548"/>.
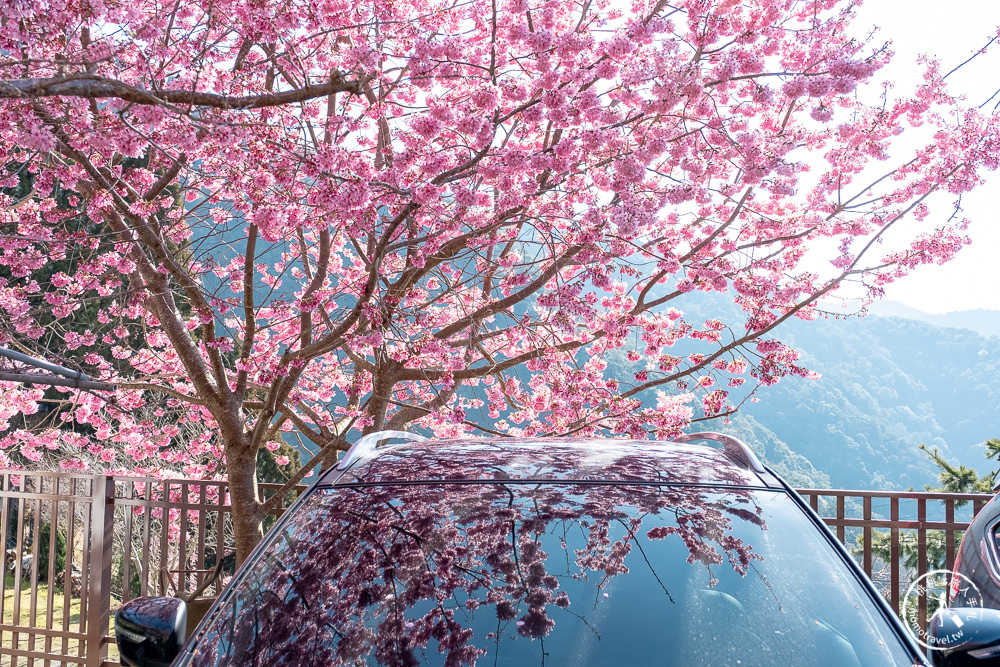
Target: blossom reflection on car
<point x="460" y="538"/>
<point x="550" y="552"/>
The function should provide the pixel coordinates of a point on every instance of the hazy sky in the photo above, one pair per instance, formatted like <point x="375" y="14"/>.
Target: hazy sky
<point x="952" y="32"/>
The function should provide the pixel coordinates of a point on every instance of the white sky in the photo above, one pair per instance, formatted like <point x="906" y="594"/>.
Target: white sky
<point x="952" y="32"/>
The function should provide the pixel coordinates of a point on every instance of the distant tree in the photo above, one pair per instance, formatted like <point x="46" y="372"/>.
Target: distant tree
<point x="326" y="219"/>
<point x="908" y="548"/>
<point x="45" y="551"/>
<point x="961" y="479"/>
<point x="277" y="462"/>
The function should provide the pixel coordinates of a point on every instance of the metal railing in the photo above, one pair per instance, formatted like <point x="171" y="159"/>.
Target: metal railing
<point x="57" y="535"/>
<point x="898" y="536"/>
<point x="172" y="535"/>
<point x="115" y="538"/>
<point x="111" y="539"/>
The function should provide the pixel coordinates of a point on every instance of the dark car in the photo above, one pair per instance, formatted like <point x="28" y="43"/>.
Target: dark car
<point x="976" y="577"/>
<point x="546" y="552"/>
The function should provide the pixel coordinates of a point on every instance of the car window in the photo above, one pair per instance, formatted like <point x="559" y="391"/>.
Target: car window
<point x="521" y="574"/>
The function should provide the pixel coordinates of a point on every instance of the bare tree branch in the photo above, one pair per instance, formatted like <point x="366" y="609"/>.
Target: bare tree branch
<point x="90" y="86"/>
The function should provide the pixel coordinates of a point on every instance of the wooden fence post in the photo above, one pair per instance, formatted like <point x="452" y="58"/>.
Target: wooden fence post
<point x="99" y="578"/>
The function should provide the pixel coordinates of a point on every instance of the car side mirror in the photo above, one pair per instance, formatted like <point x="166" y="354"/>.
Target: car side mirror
<point x="151" y="631"/>
<point x="962" y="636"/>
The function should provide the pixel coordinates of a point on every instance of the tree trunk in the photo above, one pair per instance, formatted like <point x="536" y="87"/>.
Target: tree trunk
<point x="241" y="463"/>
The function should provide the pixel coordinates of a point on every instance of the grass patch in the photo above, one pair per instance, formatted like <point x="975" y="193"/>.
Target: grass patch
<point x="41" y="606"/>
<point x="64" y="618"/>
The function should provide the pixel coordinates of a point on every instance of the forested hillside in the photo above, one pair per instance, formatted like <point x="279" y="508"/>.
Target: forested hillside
<point x="888" y="384"/>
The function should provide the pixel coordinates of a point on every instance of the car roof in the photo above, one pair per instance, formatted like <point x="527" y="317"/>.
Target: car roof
<point x="551" y="459"/>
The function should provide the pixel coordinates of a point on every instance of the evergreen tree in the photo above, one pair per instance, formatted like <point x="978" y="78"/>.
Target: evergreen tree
<point x="961" y="479"/>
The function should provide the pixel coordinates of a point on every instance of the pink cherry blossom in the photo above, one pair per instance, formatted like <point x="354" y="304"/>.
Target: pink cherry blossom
<point x="322" y="219"/>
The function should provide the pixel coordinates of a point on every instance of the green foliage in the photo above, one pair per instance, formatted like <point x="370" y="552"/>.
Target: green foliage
<point x="961" y="479"/>
<point x="909" y="550"/>
<point x="936" y="556"/>
<point x="887" y="385"/>
<point x="44" y="541"/>
<point x="791" y="465"/>
<point x="993" y="451"/>
<point x="134" y="585"/>
<point x="72" y="223"/>
<point x="91" y="238"/>
<point x="87" y="238"/>
<point x="268" y="470"/>
<point x="952" y="479"/>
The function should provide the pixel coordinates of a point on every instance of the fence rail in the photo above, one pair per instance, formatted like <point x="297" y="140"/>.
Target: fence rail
<point x="112" y="539"/>
<point x="171" y="535"/>
<point x="115" y="538"/>
<point x="57" y="530"/>
<point x="898" y="536"/>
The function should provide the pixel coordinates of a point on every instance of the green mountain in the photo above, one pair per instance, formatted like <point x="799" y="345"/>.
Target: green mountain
<point x="888" y="385"/>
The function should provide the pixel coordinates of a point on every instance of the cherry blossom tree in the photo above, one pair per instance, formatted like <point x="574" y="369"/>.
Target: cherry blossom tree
<point x="317" y="219"/>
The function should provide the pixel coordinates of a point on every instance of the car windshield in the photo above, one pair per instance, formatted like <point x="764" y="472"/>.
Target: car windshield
<point x="548" y="573"/>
